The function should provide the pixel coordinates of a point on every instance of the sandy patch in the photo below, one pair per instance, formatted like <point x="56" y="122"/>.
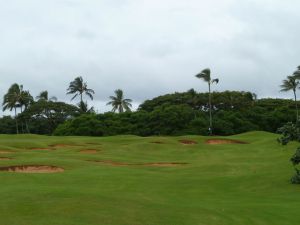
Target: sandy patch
<point x="63" y="146"/>
<point x="164" y="164"/>
<point x="223" y="141"/>
<point x="42" y="149"/>
<point x="4" y="152"/>
<point x="187" y="142"/>
<point x="157" y="142"/>
<point x="32" y="169"/>
<point x="154" y="164"/>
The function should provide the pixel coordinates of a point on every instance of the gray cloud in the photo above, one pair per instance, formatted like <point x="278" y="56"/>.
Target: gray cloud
<point x="147" y="48"/>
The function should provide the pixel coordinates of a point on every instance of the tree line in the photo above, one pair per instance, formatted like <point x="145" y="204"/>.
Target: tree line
<point x="47" y="108"/>
<point x="218" y="113"/>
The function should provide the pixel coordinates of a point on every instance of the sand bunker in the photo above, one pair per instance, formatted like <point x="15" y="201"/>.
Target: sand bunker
<point x="5" y="158"/>
<point x="224" y="141"/>
<point x="32" y="169"/>
<point x="63" y="146"/>
<point x="155" y="164"/>
<point x="89" y="151"/>
<point x="164" y="164"/>
<point x="157" y="142"/>
<point x="4" y="152"/>
<point x="41" y="149"/>
<point x="188" y="142"/>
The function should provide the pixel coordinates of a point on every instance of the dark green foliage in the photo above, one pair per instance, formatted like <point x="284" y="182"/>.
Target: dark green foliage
<point x="86" y="125"/>
<point x="172" y="114"/>
<point x="227" y="100"/>
<point x="170" y="119"/>
<point x="44" y="116"/>
<point x="290" y="132"/>
<point x="165" y="120"/>
<point x="296" y="157"/>
<point x="7" y="125"/>
<point x="296" y="178"/>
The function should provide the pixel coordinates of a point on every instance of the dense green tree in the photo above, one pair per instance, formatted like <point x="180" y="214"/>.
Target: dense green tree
<point x="228" y="100"/>
<point x="291" y="132"/>
<point x="49" y="113"/>
<point x="205" y="75"/>
<point x="119" y="103"/>
<point x="7" y="125"/>
<point x="86" y="124"/>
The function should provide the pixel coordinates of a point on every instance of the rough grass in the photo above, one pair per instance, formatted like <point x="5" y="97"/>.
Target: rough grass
<point x="228" y="184"/>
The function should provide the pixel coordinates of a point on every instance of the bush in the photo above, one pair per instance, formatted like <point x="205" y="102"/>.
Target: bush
<point x="84" y="125"/>
<point x="290" y="132"/>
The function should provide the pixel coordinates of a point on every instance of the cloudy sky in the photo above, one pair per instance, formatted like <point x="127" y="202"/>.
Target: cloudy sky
<point x="148" y="47"/>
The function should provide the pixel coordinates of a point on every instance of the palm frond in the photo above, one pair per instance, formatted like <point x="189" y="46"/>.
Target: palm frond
<point x="215" y="81"/>
<point x="90" y="95"/>
<point x="204" y="75"/>
<point x="289" y="84"/>
<point x="118" y="102"/>
<point x="74" y="97"/>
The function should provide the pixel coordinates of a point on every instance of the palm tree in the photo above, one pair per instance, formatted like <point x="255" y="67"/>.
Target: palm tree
<point x="12" y="101"/>
<point x="25" y="101"/>
<point x="119" y="103"/>
<point x="291" y="84"/>
<point x="205" y="76"/>
<point x="44" y="96"/>
<point x="78" y="87"/>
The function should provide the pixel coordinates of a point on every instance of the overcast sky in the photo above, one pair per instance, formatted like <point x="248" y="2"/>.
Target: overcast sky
<point x="148" y="47"/>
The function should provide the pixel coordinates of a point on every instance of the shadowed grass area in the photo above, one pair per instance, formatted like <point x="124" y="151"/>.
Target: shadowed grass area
<point x="224" y="184"/>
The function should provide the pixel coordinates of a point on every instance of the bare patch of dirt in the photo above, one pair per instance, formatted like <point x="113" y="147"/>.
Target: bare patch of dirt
<point x="4" y="152"/>
<point x="41" y="149"/>
<point x="154" y="164"/>
<point x="5" y="158"/>
<point x="64" y="146"/>
<point x="188" y="142"/>
<point x="157" y="142"/>
<point x="223" y="141"/>
<point x="89" y="151"/>
<point x="32" y="169"/>
<point x="165" y="164"/>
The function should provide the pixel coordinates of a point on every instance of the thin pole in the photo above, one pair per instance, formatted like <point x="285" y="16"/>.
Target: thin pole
<point x="210" y="113"/>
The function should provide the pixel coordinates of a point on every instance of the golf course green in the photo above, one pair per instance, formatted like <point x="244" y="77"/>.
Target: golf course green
<point x="130" y="180"/>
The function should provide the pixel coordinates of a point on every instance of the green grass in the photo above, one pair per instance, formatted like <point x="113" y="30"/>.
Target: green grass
<point x="227" y="184"/>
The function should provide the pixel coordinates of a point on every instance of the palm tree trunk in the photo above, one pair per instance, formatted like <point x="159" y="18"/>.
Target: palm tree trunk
<point x="210" y="114"/>
<point x="17" y="126"/>
<point x="22" y="125"/>
<point x="27" y="127"/>
<point x="295" y="95"/>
